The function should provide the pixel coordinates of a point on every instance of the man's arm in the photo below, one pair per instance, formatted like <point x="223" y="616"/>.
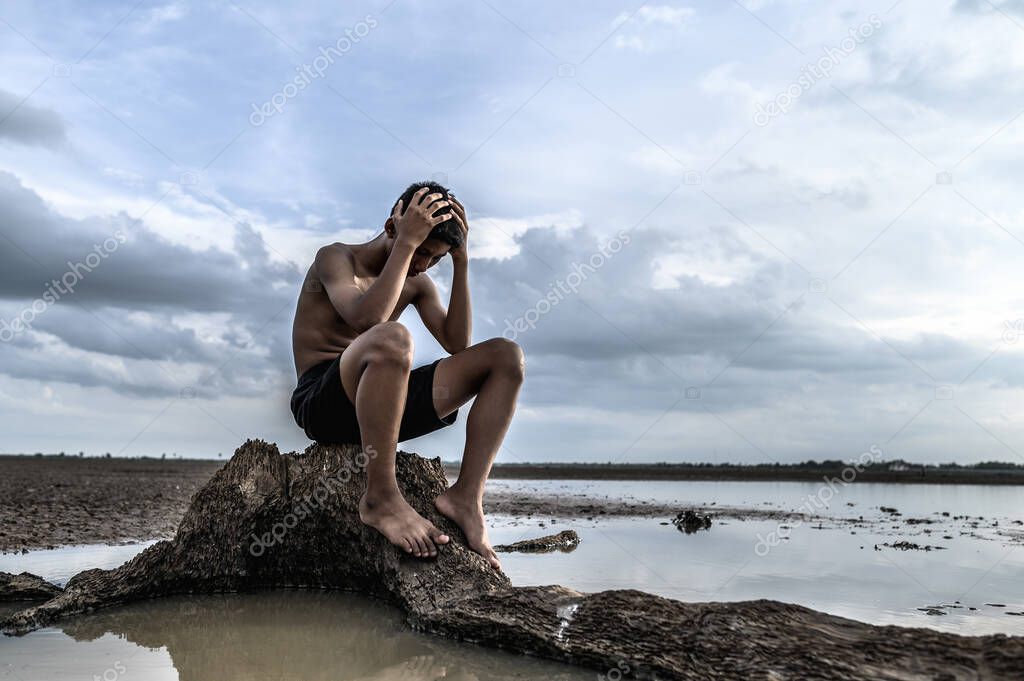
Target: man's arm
<point x="362" y="310"/>
<point x="453" y="328"/>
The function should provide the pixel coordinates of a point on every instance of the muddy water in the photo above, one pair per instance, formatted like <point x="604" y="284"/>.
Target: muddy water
<point x="971" y="581"/>
<point x="278" y="636"/>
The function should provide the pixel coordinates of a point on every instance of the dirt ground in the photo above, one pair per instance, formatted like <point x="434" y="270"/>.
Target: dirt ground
<point x="52" y="501"/>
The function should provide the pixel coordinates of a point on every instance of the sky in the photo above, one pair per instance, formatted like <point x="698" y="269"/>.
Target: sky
<point x="760" y="231"/>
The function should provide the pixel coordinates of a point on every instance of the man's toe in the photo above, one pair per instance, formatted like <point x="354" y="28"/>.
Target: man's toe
<point x="429" y="545"/>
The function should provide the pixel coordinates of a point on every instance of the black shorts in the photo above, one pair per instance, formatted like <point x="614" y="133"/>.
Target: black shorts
<point x="326" y="414"/>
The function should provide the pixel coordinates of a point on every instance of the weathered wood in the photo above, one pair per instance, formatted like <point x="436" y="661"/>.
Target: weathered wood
<point x="565" y="541"/>
<point x="25" y="587"/>
<point x="268" y="520"/>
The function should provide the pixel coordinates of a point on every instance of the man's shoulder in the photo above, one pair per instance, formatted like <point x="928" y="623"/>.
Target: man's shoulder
<point x="335" y="262"/>
<point x="335" y="254"/>
<point x="335" y="250"/>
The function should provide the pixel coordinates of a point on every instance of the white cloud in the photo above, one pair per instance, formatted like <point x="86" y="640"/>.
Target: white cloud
<point x="652" y="27"/>
<point x="158" y="16"/>
<point x="677" y="17"/>
<point x="495" y="237"/>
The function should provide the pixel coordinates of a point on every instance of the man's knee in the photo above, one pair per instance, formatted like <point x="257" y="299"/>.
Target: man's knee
<point x="389" y="343"/>
<point x="507" y="357"/>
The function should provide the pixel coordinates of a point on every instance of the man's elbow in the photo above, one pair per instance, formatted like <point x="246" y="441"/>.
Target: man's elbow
<point x="363" y="324"/>
<point x="452" y="348"/>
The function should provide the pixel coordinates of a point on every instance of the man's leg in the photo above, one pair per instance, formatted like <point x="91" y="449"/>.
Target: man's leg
<point x="375" y="376"/>
<point x="493" y="371"/>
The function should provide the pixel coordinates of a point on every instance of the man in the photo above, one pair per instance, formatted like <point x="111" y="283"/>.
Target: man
<point x="354" y="362"/>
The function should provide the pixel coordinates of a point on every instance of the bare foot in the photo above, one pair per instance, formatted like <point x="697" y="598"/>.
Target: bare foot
<point x="392" y="516"/>
<point x="469" y="515"/>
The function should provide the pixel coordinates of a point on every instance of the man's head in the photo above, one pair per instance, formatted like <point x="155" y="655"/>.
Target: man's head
<point x="445" y="236"/>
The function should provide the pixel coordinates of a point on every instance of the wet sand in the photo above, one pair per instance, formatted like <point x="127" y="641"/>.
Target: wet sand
<point x="53" y="501"/>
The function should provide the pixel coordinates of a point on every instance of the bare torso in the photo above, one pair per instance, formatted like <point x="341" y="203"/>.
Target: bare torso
<point x="319" y="333"/>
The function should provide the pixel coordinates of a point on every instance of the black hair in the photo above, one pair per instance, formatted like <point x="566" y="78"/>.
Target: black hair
<point x="448" y="230"/>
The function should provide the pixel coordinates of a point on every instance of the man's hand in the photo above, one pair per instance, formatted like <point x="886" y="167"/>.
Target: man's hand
<point x="460" y="254"/>
<point x="414" y="225"/>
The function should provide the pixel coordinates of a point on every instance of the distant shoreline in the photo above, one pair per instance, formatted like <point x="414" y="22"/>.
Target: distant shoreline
<point x="731" y="473"/>
<point x="987" y="474"/>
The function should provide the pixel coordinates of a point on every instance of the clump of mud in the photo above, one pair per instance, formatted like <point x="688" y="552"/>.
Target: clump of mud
<point x="565" y="541"/>
<point x="909" y="546"/>
<point x="689" y="521"/>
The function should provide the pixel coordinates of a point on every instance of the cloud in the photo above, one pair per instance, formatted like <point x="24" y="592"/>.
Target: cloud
<point x="652" y="27"/>
<point x="665" y="15"/>
<point x="146" y="272"/>
<point x="118" y="292"/>
<point x="495" y="237"/>
<point x="158" y="16"/>
<point x="696" y="327"/>
<point x="24" y="123"/>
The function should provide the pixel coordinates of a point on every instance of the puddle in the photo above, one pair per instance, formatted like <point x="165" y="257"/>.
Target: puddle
<point x="276" y="635"/>
<point x="59" y="565"/>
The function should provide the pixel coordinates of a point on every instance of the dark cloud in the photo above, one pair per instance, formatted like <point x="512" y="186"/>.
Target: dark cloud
<point x="22" y="122"/>
<point x="116" y="288"/>
<point x="618" y="342"/>
<point x="983" y="6"/>
<point x="139" y="269"/>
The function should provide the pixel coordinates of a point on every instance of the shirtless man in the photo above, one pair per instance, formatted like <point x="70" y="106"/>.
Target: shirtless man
<point x="354" y="362"/>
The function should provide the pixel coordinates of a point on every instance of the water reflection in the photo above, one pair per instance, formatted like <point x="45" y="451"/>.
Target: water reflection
<point x="280" y="635"/>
